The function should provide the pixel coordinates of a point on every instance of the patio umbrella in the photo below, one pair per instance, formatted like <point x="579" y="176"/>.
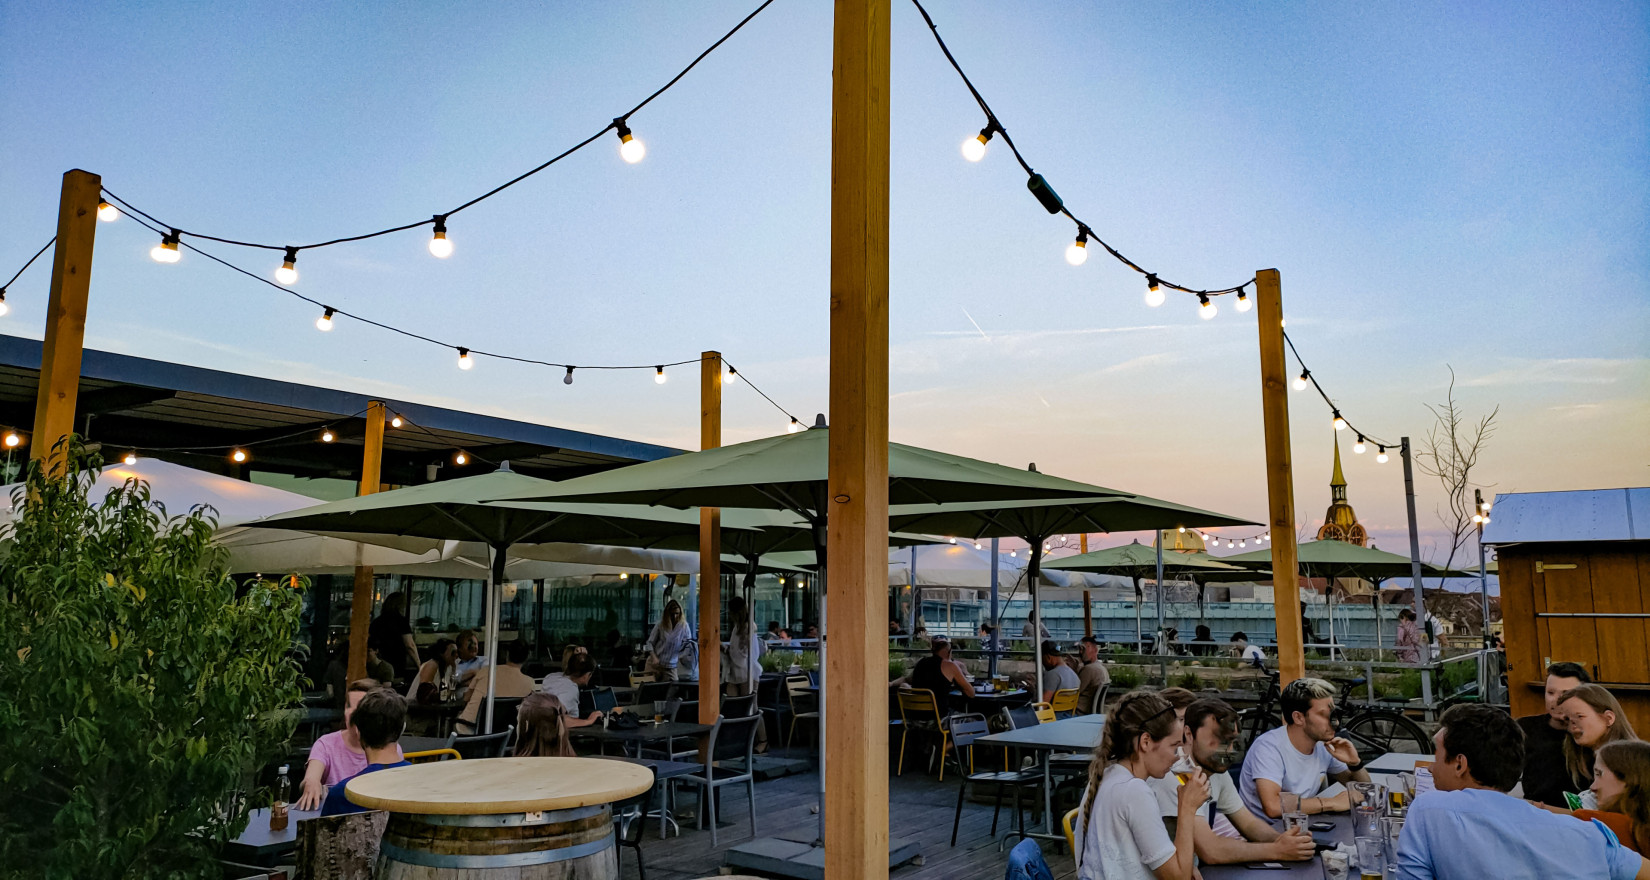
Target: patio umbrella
<point x="1332" y="559"/>
<point x="1136" y="561"/>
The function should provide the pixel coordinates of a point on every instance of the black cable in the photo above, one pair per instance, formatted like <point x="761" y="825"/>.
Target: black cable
<point x="486" y="195"/>
<point x="1313" y="378"/>
<point x="993" y="124"/>
<point x="26" y="266"/>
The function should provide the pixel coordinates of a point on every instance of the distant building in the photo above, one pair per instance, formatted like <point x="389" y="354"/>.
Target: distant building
<point x="1340" y="523"/>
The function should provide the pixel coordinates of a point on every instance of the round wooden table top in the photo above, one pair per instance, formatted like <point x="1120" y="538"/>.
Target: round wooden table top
<point x="489" y="786"/>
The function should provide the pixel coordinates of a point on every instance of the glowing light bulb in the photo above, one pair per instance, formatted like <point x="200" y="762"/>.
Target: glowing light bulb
<point x="1381" y="457"/>
<point x="973" y="149"/>
<point x="793" y="427"/>
<point x="130" y="459"/>
<point x="1183" y="530"/>
<point x="167" y="250"/>
<point x="13" y="440"/>
<point x="1244" y="304"/>
<point x="1340" y="423"/>
<point x="630" y="149"/>
<point x="324" y="323"/>
<point x="238" y="456"/>
<point x="106" y="212"/>
<point x="1077" y="253"/>
<point x="952" y="540"/>
<point x="1477" y="517"/>
<point x="568" y="379"/>
<point x="1300" y="382"/>
<point x="976" y="545"/>
<point x="440" y="245"/>
<point x="1486" y="506"/>
<point x="461" y="459"/>
<point x="1154" y="292"/>
<point x="1360" y="447"/>
<point x="288" y="273"/>
<point x="1243" y="543"/>
<point x="1014" y="553"/>
<point x="1205" y="309"/>
<point x="395" y="422"/>
<point x="327" y="436"/>
<point x="3" y="307"/>
<point x="731" y="377"/>
<point x="465" y="362"/>
<point x="659" y="377"/>
<point x="1228" y="545"/>
<point x="624" y="575"/>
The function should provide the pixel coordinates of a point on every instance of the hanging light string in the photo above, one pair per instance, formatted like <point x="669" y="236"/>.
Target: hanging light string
<point x="630" y="149"/>
<point x="19" y="274"/>
<point x="1341" y="422"/>
<point x="1051" y="201"/>
<point x="1235" y="541"/>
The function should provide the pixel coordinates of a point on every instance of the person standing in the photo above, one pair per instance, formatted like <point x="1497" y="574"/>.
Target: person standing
<point x="1410" y="639"/>
<point x="1302" y="756"/>
<point x="743" y="671"/>
<point x="1546" y="773"/>
<point x="1092" y="676"/>
<point x="665" y="644"/>
<point x="391" y="633"/>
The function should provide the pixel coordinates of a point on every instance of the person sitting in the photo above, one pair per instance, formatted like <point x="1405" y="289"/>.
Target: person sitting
<point x="1621" y="785"/>
<point x="1546" y="773"/>
<point x="569" y="650"/>
<point x="564" y="686"/>
<point x="939" y="673"/>
<point x="337" y="755"/>
<point x="1226" y="831"/>
<point x="541" y="728"/>
<point x="1057" y="674"/>
<point x="1122" y="837"/>
<point x="378" y="720"/>
<point x="990" y="641"/>
<point x="1469" y="828"/>
<point x="1300" y="755"/>
<point x="435" y="677"/>
<point x="1250" y="654"/>
<point x="1092" y="676"/>
<point x="776" y="633"/>
<point x="1203" y="641"/>
<point x="470" y="661"/>
<point x="895" y="628"/>
<point x="1595" y="718"/>
<point x="508" y="681"/>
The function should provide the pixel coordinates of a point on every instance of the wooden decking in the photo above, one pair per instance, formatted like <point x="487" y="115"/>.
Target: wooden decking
<point x="920" y="808"/>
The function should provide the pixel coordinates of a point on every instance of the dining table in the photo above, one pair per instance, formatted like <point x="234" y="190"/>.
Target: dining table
<point x="262" y="846"/>
<point x="1311" y="868"/>
<point x="633" y="739"/>
<point x="1080" y="733"/>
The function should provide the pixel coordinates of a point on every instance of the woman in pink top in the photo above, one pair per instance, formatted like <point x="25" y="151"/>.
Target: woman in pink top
<point x="338" y="755"/>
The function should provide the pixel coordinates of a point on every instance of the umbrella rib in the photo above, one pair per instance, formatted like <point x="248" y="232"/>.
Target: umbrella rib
<point x="474" y="532"/>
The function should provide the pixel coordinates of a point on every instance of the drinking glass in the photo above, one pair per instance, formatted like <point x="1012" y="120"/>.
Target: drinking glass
<point x="1290" y="801"/>
<point x="1334" y="865"/>
<point x="1369" y="858"/>
<point x="658" y="711"/>
<point x="1183" y="767"/>
<point x="1366" y="815"/>
<point x="1392" y="827"/>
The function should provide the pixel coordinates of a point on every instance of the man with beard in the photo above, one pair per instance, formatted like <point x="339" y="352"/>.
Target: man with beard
<point x="1227" y="832"/>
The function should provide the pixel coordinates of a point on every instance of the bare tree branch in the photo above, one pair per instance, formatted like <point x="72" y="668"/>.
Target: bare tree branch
<point x="1449" y="453"/>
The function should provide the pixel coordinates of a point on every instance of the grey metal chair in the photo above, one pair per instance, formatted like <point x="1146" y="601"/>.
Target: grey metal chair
<point x="731" y="740"/>
<point x="487" y="745"/>
<point x="965" y="728"/>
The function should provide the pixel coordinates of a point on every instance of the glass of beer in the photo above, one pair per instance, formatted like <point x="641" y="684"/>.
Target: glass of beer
<point x="1183" y="767"/>
<point x="1369" y="858"/>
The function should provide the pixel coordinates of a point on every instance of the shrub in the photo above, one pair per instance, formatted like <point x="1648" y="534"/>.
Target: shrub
<point x="1125" y="678"/>
<point x="808" y="660"/>
<point x="778" y="661"/>
<point x="1187" y="680"/>
<point x="896" y="668"/>
<point x="138" y="686"/>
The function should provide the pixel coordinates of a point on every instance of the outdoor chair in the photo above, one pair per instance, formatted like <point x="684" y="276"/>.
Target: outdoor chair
<point x="804" y="704"/>
<point x="504" y="713"/>
<point x="650" y="692"/>
<point x="731" y="740"/>
<point x="411" y="744"/>
<point x="487" y="745"/>
<point x="739" y="707"/>
<point x="431" y="755"/>
<point x="1069" y="824"/>
<point x="1045" y="712"/>
<point x="1064" y="703"/>
<point x="1099" y="707"/>
<point x="919" y="712"/>
<point x="629" y="817"/>
<point x="339" y="847"/>
<point x="1018" y="718"/>
<point x="637" y="679"/>
<point x="965" y="728"/>
<point x="611" y="676"/>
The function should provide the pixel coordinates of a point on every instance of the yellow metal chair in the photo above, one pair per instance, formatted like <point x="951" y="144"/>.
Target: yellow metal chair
<point x="918" y="709"/>
<point x="1045" y="712"/>
<point x="1064" y="703"/>
<point x="435" y="754"/>
<point x="1067" y="822"/>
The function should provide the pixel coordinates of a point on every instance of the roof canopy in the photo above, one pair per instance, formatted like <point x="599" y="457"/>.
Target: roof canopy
<point x="1590" y="515"/>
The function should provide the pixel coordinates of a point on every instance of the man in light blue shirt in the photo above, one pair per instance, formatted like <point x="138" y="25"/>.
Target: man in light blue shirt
<point x="1470" y="828"/>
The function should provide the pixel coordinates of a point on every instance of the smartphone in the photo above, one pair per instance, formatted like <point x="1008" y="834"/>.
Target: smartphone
<point x="1321" y="826"/>
<point x="1265" y="866"/>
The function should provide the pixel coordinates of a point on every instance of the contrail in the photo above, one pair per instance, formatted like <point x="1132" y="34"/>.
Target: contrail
<point x="976" y="324"/>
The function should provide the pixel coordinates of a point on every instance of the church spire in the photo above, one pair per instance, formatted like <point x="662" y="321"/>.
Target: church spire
<point x="1337" y="482"/>
<point x="1340" y="523"/>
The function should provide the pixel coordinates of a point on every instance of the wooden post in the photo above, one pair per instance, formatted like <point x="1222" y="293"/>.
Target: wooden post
<point x="856" y="704"/>
<point x="710" y="548"/>
<point x="1088" y="610"/>
<point x="66" y="315"/>
<point x="1280" y="480"/>
<point x="360" y="610"/>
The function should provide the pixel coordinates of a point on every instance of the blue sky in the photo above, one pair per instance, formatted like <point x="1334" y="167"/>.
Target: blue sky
<point x="1460" y="185"/>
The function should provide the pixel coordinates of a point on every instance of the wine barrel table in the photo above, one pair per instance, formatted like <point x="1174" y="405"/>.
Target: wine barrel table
<point x="526" y="818"/>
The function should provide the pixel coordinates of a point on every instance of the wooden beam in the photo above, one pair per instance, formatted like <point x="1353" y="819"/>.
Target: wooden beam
<point x="360" y="610"/>
<point x="856" y="704"/>
<point x="1088" y="601"/>
<point x="1280" y="480"/>
<point x="66" y="316"/>
<point x="710" y="548"/>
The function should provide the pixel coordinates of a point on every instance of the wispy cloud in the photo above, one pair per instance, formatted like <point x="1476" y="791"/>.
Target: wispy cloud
<point x="1566" y="371"/>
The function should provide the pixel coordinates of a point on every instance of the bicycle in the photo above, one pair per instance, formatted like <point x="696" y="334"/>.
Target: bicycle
<point x="1373" y="730"/>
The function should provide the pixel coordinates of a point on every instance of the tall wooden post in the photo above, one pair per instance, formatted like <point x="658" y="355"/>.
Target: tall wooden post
<point x="1280" y="480"/>
<point x="360" y="610"/>
<point x="66" y="315"/>
<point x="1088" y="609"/>
<point x="710" y="548"/>
<point x="856" y="704"/>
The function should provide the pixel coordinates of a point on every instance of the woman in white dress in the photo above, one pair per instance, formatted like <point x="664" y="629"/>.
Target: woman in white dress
<point x="1122" y="833"/>
<point x="669" y="636"/>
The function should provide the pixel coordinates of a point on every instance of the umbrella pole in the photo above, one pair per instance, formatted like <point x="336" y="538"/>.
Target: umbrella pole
<point x="1139" y="599"/>
<point x="996" y="622"/>
<point x="495" y="590"/>
<point x="1034" y="568"/>
<point x="1162" y="645"/>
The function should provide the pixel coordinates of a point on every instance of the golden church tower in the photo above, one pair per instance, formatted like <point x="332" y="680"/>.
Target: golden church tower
<point x="1339" y="522"/>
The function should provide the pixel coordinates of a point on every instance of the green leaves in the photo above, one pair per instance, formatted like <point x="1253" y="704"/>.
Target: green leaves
<point x="138" y="685"/>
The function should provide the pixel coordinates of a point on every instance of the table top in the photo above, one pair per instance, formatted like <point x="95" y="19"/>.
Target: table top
<point x="1072" y="734"/>
<point x="661" y="769"/>
<point x="1312" y="868"/>
<point x="1395" y="762"/>
<point x="258" y="839"/>
<point x="498" y="785"/>
<point x="644" y="733"/>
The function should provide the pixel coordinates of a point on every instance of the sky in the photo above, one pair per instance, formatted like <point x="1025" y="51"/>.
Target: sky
<point x="1445" y="188"/>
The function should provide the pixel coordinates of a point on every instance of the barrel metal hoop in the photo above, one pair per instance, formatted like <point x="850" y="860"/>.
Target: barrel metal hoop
<point x="506" y="860"/>
<point x="510" y="820"/>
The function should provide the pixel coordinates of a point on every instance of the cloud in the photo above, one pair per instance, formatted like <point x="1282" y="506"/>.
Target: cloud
<point x="1565" y="371"/>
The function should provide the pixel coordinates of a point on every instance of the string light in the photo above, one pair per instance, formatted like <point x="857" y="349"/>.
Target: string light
<point x="630" y="149"/>
<point x="1243" y="544"/>
<point x="288" y="273"/>
<point x="794" y="426"/>
<point x="239" y="456"/>
<point x="327" y="436"/>
<point x="973" y="149"/>
<point x="977" y="545"/>
<point x="1078" y="252"/>
<point x="659" y="377"/>
<point x="106" y="212"/>
<point x="731" y="376"/>
<point x="1381" y="456"/>
<point x="395" y="421"/>
<point x="1154" y="291"/>
<point x="465" y="362"/>
<point x="460" y="458"/>
<point x="4" y="308"/>
<point x="1244" y="304"/>
<point x="1340" y="423"/>
<point x="1360" y="447"/>
<point x="1301" y="381"/>
<point x="1205" y="309"/>
<point x="324" y="323"/>
<point x="129" y="459"/>
<point x="1228" y="545"/>
<point x="1183" y="530"/>
<point x="568" y="379"/>
<point x="13" y="440"/>
<point x="952" y="540"/>
<point x="440" y="245"/>
<point x="167" y="250"/>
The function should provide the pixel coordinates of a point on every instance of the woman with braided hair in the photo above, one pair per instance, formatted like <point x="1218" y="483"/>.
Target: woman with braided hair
<point x="1122" y="832"/>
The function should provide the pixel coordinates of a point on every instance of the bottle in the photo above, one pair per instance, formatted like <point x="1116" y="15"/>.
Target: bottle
<point x="277" y="807"/>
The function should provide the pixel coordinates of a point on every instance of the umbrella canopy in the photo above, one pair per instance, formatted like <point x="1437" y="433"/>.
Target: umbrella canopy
<point x="1140" y="560"/>
<point x="1332" y="559"/>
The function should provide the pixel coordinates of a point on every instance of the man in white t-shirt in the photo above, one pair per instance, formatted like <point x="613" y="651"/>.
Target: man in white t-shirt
<point x="1226" y="831"/>
<point x="1300" y="756"/>
<point x="1251" y="655"/>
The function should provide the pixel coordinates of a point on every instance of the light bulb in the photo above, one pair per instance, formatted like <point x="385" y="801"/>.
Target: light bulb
<point x="1301" y="381"/>
<point x="1228" y="544"/>
<point x="1077" y="253"/>
<point x="288" y="273"/>
<point x="1340" y="423"/>
<point x="1360" y="447"/>
<point x="167" y="250"/>
<point x="1154" y="293"/>
<point x="461" y="459"/>
<point x="568" y="379"/>
<point x="327" y="436"/>
<point x="1205" y="309"/>
<point x="973" y="149"/>
<point x="1243" y="303"/>
<point x="731" y="377"/>
<point x="130" y="459"/>
<point x="659" y="377"/>
<point x="13" y="440"/>
<point x="1486" y="519"/>
<point x="440" y="245"/>
<point x="1183" y="530"/>
<point x="1381" y="457"/>
<point x="3" y="307"/>
<point x="1477" y="517"/>
<point x="238" y="456"/>
<point x="624" y="575"/>
<point x="324" y="323"/>
<point x="464" y="360"/>
<point x="952" y="540"/>
<point x="630" y="149"/>
<point x="106" y="212"/>
<point x="395" y="422"/>
<point x="976" y="545"/>
<point x="1486" y="506"/>
<point x="793" y="427"/>
<point x="1014" y="553"/>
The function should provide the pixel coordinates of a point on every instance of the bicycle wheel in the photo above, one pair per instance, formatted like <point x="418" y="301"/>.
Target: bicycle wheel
<point x="1390" y="732"/>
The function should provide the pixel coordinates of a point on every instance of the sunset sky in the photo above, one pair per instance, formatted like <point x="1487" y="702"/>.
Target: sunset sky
<point x="1450" y="186"/>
